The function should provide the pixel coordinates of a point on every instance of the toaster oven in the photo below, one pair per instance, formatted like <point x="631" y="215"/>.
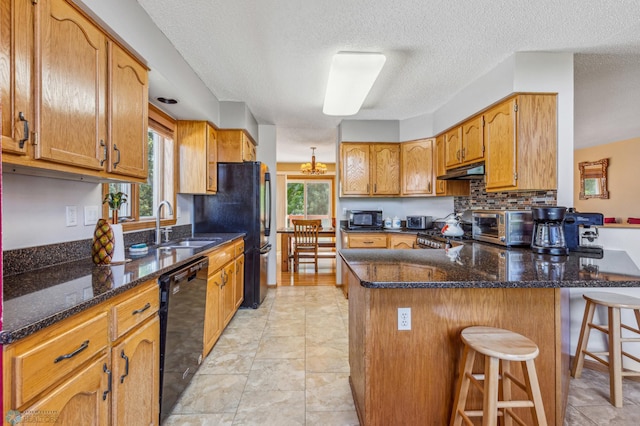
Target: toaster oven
<point x="419" y="222"/>
<point x="503" y="227"/>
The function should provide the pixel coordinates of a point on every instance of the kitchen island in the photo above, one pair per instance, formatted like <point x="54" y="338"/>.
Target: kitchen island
<point x="408" y="377"/>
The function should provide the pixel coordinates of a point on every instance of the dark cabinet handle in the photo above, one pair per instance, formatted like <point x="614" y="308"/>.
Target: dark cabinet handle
<point x="115" y="148"/>
<point x="82" y="347"/>
<point x="126" y="366"/>
<point x="141" y="310"/>
<point x="225" y="278"/>
<point x="105" y="393"/>
<point x="25" y="136"/>
<point x="104" y="148"/>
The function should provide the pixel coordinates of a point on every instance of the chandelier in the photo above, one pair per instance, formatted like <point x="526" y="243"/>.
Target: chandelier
<point x="313" y="168"/>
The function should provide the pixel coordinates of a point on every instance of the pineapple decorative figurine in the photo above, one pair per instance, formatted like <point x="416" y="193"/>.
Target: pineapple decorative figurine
<point x="103" y="243"/>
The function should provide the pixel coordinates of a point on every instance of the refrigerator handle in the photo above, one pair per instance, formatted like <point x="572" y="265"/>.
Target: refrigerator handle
<point x="267" y="201"/>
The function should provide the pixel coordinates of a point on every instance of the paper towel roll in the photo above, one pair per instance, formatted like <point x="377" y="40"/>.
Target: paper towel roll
<point x="118" y="238"/>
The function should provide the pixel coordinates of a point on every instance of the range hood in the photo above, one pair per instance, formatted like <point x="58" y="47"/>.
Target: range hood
<point x="474" y="171"/>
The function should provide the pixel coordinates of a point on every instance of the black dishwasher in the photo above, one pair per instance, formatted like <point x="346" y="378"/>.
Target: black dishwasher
<point x="182" y="304"/>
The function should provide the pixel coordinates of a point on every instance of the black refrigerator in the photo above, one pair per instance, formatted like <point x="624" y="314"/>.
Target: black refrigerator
<point x="241" y="204"/>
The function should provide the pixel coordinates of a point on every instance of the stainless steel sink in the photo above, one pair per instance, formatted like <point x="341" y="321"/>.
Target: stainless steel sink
<point x="190" y="243"/>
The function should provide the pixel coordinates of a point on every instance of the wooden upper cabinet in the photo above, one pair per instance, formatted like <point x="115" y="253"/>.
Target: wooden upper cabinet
<point x="464" y="144"/>
<point x="453" y="147"/>
<point x="499" y="132"/>
<point x="197" y="144"/>
<point x="521" y="139"/>
<point x="385" y="170"/>
<point x="417" y="167"/>
<point x="447" y="187"/>
<point x="71" y="75"/>
<point x="128" y="114"/>
<point x="82" y="97"/>
<point x="15" y="75"/>
<point x="472" y="141"/>
<point x="355" y="168"/>
<point x="235" y="146"/>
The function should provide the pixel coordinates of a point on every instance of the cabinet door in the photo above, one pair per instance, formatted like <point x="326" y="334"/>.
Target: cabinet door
<point x="238" y="290"/>
<point x="136" y="376"/>
<point x="401" y="241"/>
<point x="441" y="185"/>
<point x="499" y="135"/>
<point x="453" y="148"/>
<point x="354" y="168"/>
<point x="385" y="169"/>
<point x="212" y="315"/>
<point x="84" y="399"/>
<point x="228" y="299"/>
<point x="70" y="87"/>
<point x="417" y="167"/>
<point x="212" y="159"/>
<point x="472" y="141"/>
<point x="248" y="149"/>
<point x="16" y="41"/>
<point x="128" y="140"/>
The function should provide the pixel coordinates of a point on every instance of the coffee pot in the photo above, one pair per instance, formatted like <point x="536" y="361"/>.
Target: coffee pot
<point x="548" y="231"/>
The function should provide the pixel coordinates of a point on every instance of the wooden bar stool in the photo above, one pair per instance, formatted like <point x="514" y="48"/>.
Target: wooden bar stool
<point x="614" y="302"/>
<point x="499" y="347"/>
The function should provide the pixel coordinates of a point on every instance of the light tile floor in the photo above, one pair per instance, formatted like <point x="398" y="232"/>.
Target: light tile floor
<point x="286" y="363"/>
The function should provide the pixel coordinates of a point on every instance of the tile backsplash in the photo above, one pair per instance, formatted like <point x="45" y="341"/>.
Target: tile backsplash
<point x="480" y="199"/>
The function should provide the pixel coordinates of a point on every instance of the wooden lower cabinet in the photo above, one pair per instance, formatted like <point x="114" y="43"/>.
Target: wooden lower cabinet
<point x="408" y="377"/>
<point x="225" y="290"/>
<point x="136" y="368"/>
<point x="83" y="399"/>
<point x="73" y="373"/>
<point x="367" y="240"/>
<point x="401" y="241"/>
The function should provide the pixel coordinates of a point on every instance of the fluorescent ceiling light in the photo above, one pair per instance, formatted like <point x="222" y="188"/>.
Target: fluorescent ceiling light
<point x="351" y="76"/>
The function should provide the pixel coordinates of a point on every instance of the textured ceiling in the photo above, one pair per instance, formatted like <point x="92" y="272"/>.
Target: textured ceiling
<point x="274" y="55"/>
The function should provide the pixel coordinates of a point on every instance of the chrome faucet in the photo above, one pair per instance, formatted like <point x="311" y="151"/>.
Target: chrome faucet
<point x="162" y="203"/>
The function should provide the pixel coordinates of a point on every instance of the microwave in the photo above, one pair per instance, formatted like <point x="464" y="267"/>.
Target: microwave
<point x="503" y="227"/>
<point x="419" y="222"/>
<point x="365" y="219"/>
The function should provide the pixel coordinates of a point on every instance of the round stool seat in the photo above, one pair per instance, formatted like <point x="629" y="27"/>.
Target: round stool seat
<point x="500" y="343"/>
<point x="613" y="300"/>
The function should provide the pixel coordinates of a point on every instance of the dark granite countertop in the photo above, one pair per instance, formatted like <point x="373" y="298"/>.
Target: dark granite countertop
<point x="37" y="299"/>
<point x="482" y="265"/>
<point x="368" y="231"/>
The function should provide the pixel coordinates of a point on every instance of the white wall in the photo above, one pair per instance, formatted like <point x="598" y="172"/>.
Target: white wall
<point x="34" y="210"/>
<point x="266" y="153"/>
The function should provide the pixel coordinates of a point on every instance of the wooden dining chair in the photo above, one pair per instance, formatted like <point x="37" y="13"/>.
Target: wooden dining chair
<point x="305" y="242"/>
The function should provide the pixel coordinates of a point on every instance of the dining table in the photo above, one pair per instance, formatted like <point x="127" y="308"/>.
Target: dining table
<point x="286" y="239"/>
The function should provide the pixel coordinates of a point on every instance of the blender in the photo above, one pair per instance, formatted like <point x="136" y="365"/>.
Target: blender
<point x="548" y="231"/>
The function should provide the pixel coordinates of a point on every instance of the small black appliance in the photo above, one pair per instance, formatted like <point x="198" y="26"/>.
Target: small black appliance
<point x="573" y="222"/>
<point x="548" y="231"/>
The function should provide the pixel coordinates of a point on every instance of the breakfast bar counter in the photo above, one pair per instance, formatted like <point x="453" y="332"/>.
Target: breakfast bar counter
<point x="408" y="376"/>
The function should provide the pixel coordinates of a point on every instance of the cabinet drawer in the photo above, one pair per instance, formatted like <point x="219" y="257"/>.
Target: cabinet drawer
<point x="220" y="257"/>
<point x="239" y="247"/>
<point x="368" y="241"/>
<point x="44" y="358"/>
<point x="134" y="310"/>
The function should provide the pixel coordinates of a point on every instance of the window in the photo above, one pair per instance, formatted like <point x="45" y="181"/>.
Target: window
<point x="142" y="199"/>
<point x="309" y="199"/>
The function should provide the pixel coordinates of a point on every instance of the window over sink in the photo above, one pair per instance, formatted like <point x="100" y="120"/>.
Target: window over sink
<point x="142" y="199"/>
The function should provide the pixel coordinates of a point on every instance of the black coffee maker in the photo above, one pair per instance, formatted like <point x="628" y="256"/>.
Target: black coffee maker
<point x="573" y="222"/>
<point x="548" y="231"/>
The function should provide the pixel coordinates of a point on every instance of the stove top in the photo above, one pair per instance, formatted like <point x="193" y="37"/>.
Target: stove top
<point x="433" y="238"/>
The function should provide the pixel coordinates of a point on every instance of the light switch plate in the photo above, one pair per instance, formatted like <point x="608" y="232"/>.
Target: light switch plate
<point x="91" y="215"/>
<point x="71" y="216"/>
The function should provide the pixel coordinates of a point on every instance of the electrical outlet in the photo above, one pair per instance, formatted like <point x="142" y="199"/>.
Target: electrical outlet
<point x="72" y="216"/>
<point x="91" y="215"/>
<point x="404" y="318"/>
